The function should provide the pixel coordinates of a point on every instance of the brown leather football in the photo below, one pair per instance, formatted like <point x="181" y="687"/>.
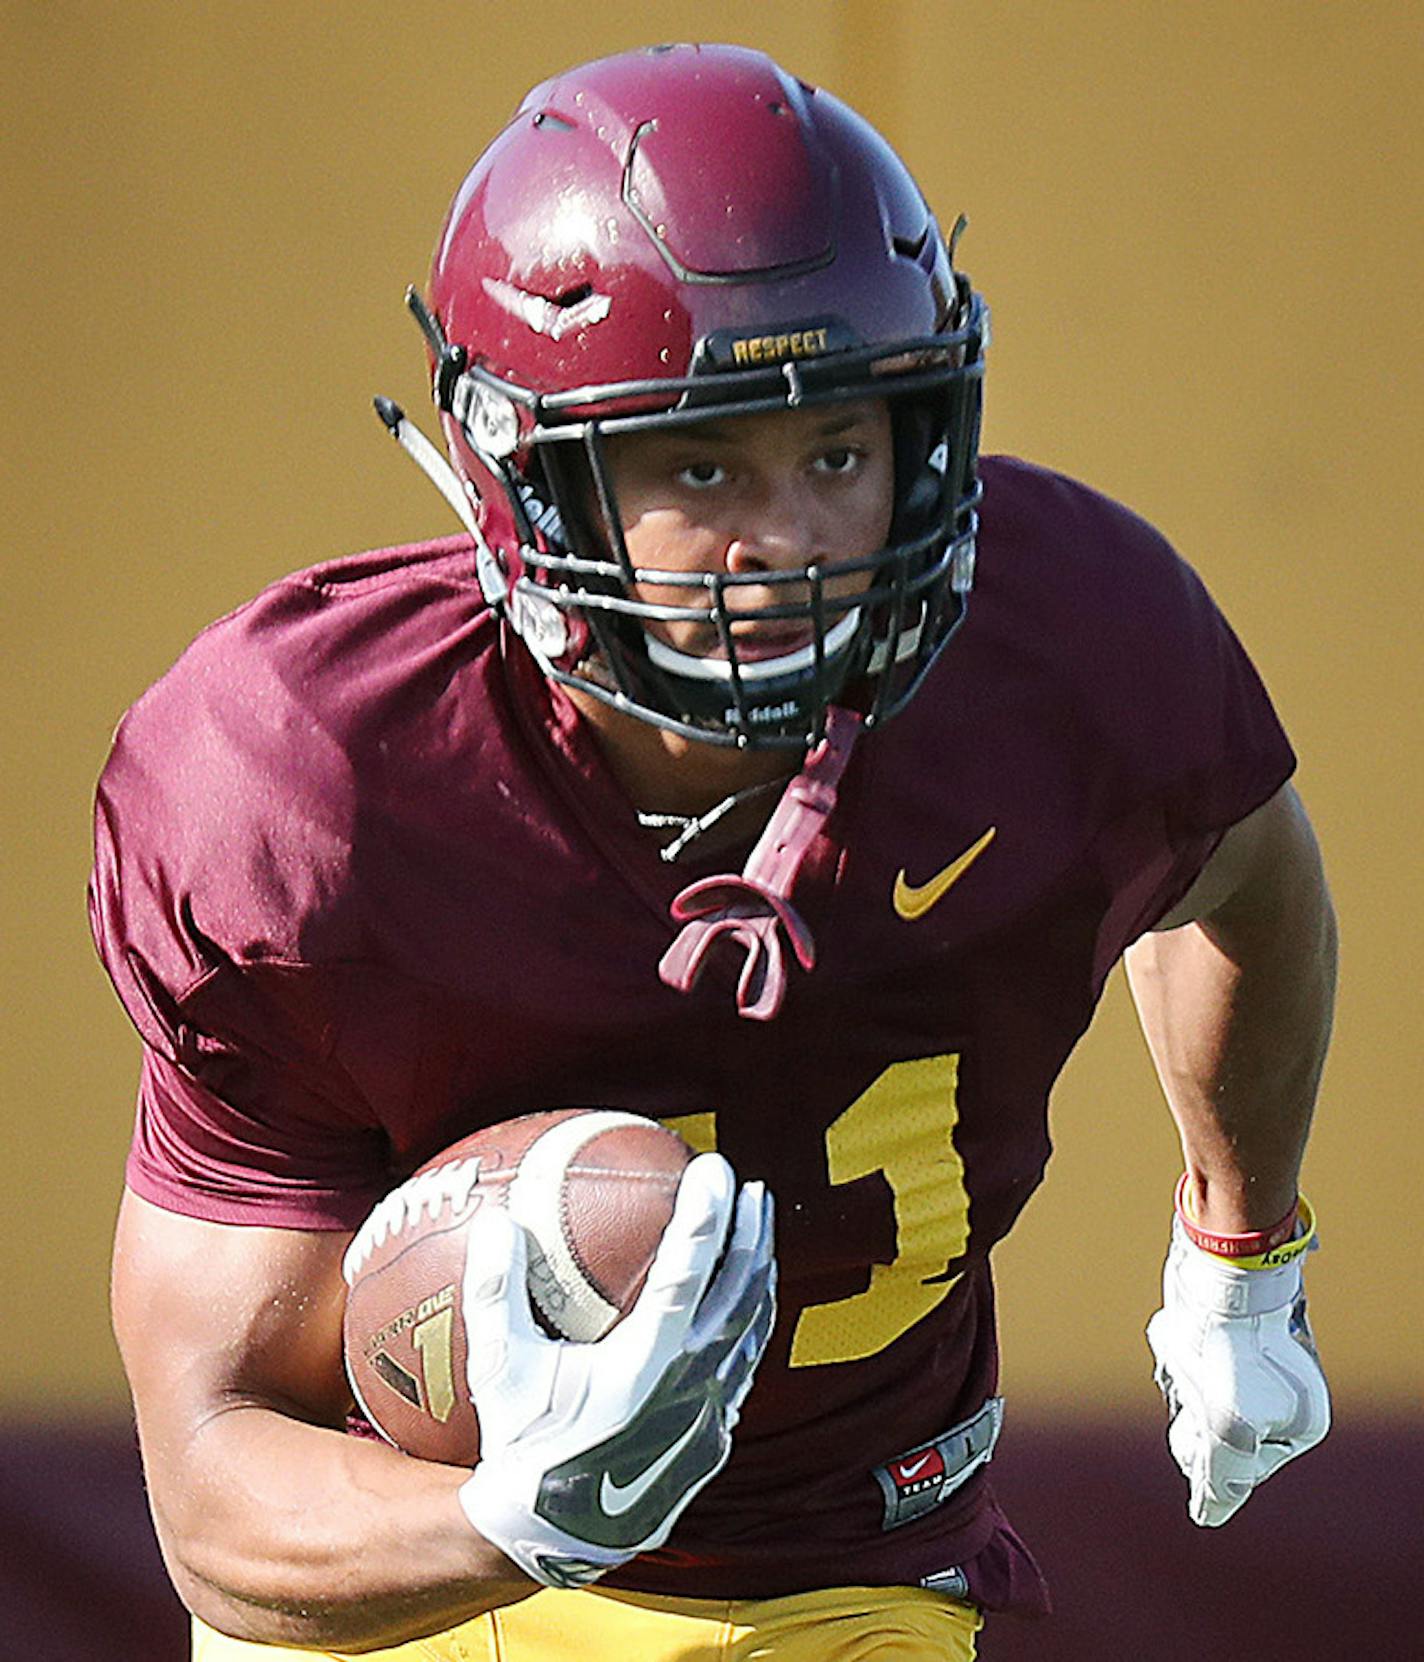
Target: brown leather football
<point x="594" y="1190"/>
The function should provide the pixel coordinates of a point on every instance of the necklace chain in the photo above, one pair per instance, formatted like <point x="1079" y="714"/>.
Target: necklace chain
<point x="691" y="826"/>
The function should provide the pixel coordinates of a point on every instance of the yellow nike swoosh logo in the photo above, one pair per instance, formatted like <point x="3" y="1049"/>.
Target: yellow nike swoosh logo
<point x="913" y="901"/>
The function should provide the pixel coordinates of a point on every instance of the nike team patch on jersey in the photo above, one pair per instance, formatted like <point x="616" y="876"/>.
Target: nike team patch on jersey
<point x="915" y="1483"/>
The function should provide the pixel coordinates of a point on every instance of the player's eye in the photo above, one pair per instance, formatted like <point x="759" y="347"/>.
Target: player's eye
<point x="701" y="476"/>
<point x="840" y="462"/>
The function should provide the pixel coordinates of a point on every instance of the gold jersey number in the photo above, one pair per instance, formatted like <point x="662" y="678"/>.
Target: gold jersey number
<point x="903" y="1126"/>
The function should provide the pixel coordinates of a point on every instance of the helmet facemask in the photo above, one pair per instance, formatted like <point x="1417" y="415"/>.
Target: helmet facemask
<point x="870" y="648"/>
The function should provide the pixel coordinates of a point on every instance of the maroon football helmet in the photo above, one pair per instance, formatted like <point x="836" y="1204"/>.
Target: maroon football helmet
<point x="686" y="233"/>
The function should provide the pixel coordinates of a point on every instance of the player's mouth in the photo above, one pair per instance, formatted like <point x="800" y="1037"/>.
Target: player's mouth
<point x="757" y="641"/>
<point x="772" y="648"/>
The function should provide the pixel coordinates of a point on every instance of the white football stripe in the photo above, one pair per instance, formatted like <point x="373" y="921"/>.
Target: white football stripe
<point x="534" y="1202"/>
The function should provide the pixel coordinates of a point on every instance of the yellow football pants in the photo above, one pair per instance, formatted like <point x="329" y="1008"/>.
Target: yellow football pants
<point x="844" y="1624"/>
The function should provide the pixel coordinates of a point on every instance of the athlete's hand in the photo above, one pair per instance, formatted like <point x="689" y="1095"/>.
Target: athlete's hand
<point x="590" y="1452"/>
<point x="1237" y="1364"/>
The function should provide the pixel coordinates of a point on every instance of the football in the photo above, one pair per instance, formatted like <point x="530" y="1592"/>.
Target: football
<point x="593" y="1190"/>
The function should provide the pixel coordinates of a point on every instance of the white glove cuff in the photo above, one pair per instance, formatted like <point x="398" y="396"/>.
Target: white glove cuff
<point x="544" y="1553"/>
<point x="1215" y="1284"/>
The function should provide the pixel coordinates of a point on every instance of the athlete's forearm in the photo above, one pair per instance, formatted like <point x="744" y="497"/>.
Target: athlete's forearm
<point x="1236" y="1008"/>
<point x="276" y="1526"/>
<point x="287" y="1533"/>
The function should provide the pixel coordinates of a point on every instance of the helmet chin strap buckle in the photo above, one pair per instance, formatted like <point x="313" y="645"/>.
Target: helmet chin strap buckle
<point x="754" y="910"/>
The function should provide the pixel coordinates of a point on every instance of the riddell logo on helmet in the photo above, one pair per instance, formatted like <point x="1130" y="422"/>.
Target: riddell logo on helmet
<point x="772" y="712"/>
<point x="543" y="516"/>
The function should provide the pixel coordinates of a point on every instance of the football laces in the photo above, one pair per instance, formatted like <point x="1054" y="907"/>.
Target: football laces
<point x="429" y="1191"/>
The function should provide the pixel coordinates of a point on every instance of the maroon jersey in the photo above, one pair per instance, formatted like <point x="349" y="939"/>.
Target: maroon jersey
<point x="364" y="885"/>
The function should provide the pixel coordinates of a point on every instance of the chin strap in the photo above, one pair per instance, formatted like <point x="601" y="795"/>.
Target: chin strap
<point x="752" y="909"/>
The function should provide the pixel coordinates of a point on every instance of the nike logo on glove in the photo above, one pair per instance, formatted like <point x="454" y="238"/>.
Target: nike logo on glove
<point x="912" y="901"/>
<point x="618" y="1498"/>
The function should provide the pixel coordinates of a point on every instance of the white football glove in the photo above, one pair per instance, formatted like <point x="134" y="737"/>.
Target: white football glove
<point x="1237" y="1364"/>
<point x="590" y="1452"/>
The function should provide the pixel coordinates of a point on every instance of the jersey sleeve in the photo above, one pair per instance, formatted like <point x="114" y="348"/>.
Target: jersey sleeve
<point x="1204" y="746"/>
<point x="243" y="1115"/>
<point x="1172" y="722"/>
<point x="196" y="1152"/>
<point x="213" y="869"/>
<point x="1197" y="741"/>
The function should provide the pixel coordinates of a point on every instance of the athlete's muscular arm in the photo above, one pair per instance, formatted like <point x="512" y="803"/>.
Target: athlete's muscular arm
<point x="276" y="1526"/>
<point x="1235" y="995"/>
<point x="1235" y="990"/>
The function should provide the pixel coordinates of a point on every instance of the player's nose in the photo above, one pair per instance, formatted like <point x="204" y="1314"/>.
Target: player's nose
<point x="781" y="528"/>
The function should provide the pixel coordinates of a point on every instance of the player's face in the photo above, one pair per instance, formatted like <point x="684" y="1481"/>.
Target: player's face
<point x="756" y="494"/>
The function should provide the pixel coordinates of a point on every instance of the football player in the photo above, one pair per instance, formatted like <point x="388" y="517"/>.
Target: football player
<point x="756" y="758"/>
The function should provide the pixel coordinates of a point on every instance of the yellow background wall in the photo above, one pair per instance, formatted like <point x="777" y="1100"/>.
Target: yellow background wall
<point x="1198" y="222"/>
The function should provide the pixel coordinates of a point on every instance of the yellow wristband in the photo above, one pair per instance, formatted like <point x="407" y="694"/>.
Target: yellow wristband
<point x="1288" y="1251"/>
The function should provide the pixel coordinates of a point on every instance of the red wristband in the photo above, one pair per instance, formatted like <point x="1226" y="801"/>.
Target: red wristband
<point x="1235" y="1246"/>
